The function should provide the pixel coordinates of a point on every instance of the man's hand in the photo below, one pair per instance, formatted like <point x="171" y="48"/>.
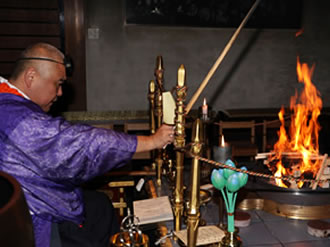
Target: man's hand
<point x="163" y="136"/>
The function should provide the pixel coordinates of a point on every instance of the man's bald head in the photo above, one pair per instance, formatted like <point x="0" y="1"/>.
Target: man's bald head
<point x="39" y="74"/>
<point x="38" y="50"/>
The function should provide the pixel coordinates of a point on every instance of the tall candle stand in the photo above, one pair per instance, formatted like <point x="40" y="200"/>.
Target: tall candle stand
<point x="179" y="143"/>
<point x="193" y="212"/>
<point x="151" y="97"/>
<point x="159" y="72"/>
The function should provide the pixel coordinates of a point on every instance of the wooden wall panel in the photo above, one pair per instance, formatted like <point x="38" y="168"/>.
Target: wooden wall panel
<point x="30" y="29"/>
<point x="29" y="15"/>
<point x="58" y="22"/>
<point x="30" y="4"/>
<point x="23" y="23"/>
<point x="19" y="43"/>
<point x="6" y="68"/>
<point x="9" y="55"/>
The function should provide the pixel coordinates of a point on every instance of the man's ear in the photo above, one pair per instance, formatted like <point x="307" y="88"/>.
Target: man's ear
<point x="29" y="77"/>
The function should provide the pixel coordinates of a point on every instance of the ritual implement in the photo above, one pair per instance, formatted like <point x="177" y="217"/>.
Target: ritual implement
<point x="220" y="58"/>
<point x="179" y="143"/>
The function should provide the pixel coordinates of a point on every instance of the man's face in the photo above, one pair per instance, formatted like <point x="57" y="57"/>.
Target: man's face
<point x="47" y="85"/>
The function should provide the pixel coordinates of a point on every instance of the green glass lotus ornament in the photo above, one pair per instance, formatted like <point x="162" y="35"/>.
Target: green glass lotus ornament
<point x="229" y="182"/>
<point x="227" y="172"/>
<point x="218" y="180"/>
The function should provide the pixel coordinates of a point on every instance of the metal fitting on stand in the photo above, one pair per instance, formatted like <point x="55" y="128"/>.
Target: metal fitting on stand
<point x="162" y="239"/>
<point x="130" y="235"/>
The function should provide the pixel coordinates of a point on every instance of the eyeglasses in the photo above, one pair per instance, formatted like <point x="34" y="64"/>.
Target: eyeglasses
<point x="66" y="62"/>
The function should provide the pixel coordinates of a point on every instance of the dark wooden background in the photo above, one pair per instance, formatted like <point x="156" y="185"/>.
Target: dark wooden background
<point x="58" y="22"/>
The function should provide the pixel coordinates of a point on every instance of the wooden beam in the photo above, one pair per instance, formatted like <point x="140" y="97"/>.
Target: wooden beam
<point x="74" y="35"/>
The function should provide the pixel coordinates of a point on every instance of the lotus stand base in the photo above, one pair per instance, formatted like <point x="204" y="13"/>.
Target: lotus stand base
<point x="231" y="240"/>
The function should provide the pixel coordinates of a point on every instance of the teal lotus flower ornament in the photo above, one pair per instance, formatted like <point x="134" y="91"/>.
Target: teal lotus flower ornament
<point x="229" y="182"/>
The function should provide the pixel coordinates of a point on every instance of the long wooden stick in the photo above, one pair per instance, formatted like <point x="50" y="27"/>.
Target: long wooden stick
<point x="292" y="155"/>
<point x="220" y="58"/>
<point x="320" y="172"/>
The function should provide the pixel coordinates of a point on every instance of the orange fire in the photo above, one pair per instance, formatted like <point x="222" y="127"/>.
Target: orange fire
<point x="300" y="32"/>
<point x="304" y="129"/>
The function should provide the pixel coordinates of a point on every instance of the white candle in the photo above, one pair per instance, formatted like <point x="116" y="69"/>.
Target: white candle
<point x="223" y="152"/>
<point x="204" y="108"/>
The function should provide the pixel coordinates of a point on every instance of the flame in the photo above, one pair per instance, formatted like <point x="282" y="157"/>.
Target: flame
<point x="280" y="171"/>
<point x="304" y="127"/>
<point x="300" y="32"/>
<point x="204" y="107"/>
<point x="204" y="101"/>
<point x="223" y="144"/>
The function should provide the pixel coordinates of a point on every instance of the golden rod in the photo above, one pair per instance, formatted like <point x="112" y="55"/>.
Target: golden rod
<point x="159" y="72"/>
<point x="194" y="198"/>
<point x="220" y="58"/>
<point x="151" y="96"/>
<point x="179" y="143"/>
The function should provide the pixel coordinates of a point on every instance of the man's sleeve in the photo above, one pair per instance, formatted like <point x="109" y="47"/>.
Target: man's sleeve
<point x="61" y="151"/>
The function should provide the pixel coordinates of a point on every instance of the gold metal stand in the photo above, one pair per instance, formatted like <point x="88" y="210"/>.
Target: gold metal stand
<point x="194" y="199"/>
<point x="151" y="97"/>
<point x="231" y="240"/>
<point x="159" y="72"/>
<point x="130" y="234"/>
<point x="124" y="240"/>
<point x="179" y="143"/>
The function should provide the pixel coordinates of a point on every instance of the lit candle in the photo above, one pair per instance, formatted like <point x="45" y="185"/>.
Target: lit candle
<point x="223" y="152"/>
<point x="204" y="108"/>
<point x="181" y="76"/>
<point x="222" y="144"/>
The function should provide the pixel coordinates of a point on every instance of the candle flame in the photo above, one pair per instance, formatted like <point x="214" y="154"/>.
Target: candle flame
<point x="204" y="108"/>
<point x="223" y="144"/>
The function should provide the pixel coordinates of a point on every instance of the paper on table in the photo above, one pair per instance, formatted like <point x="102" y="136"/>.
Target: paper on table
<point x="168" y="108"/>
<point x="206" y="235"/>
<point x="153" y="210"/>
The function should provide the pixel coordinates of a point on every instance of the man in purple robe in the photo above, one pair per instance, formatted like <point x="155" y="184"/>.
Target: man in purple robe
<point x="51" y="157"/>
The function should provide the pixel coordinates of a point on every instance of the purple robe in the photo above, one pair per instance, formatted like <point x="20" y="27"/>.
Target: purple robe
<point x="51" y="157"/>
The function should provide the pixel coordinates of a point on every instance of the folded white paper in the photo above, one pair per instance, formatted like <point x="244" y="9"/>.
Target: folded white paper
<point x="169" y="107"/>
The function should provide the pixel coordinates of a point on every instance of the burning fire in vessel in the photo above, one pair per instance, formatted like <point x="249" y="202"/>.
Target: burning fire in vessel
<point x="302" y="140"/>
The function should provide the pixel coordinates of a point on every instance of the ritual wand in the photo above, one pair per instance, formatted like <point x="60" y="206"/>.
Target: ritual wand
<point x="220" y="58"/>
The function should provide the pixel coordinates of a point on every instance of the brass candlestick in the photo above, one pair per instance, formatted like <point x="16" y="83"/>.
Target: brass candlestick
<point x="179" y="143"/>
<point x="159" y="152"/>
<point x="194" y="199"/>
<point x="159" y="72"/>
<point x="151" y="97"/>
